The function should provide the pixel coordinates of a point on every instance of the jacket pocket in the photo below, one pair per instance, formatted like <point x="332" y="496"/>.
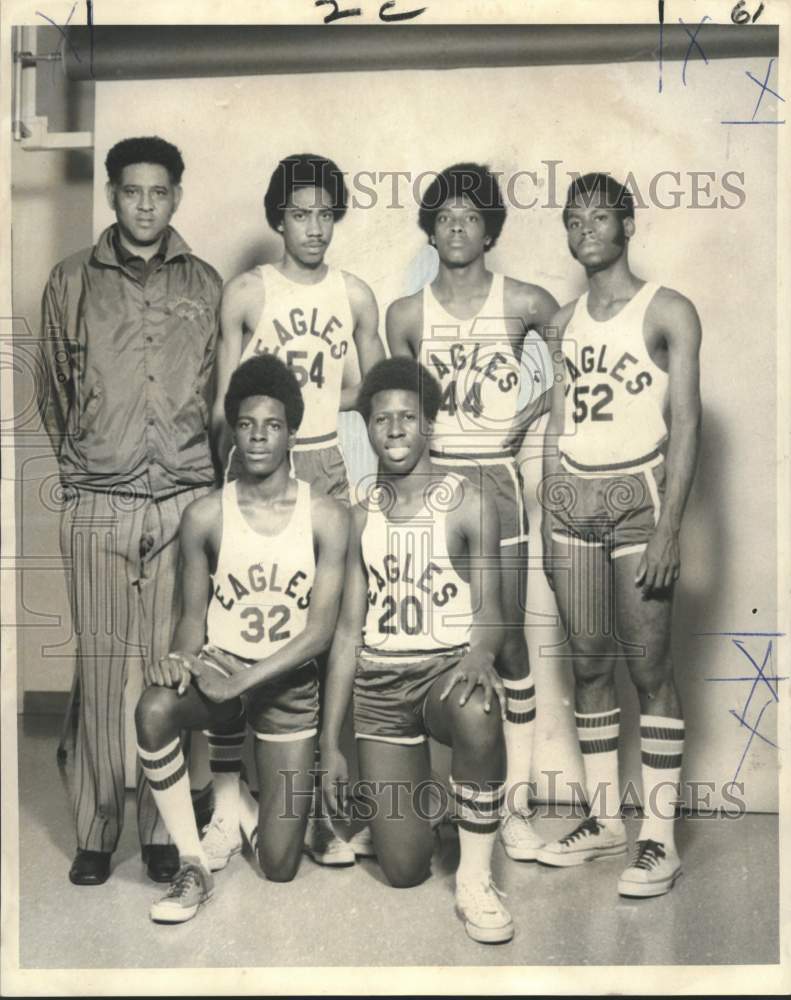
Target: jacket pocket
<point x="86" y="410"/>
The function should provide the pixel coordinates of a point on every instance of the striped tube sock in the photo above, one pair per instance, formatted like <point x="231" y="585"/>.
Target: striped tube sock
<point x="225" y="763"/>
<point x="248" y="816"/>
<point x="167" y="775"/>
<point x="478" y="814"/>
<point x="661" y="751"/>
<point x="520" y="716"/>
<point x="598" y="736"/>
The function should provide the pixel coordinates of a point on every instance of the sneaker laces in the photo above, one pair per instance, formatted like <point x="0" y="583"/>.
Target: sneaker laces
<point x="215" y="829"/>
<point x="648" y="854"/>
<point x="485" y="895"/>
<point x="182" y="883"/>
<point x="528" y="815"/>
<point x="587" y="828"/>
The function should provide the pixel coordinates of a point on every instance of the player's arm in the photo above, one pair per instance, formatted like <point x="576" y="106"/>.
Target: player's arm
<point x="404" y="326"/>
<point x="477" y="519"/>
<point x="536" y="309"/>
<point x="192" y="583"/>
<point x="55" y="390"/>
<point x="229" y="350"/>
<point x="678" y="321"/>
<point x="330" y="536"/>
<point x="370" y="349"/>
<point x="341" y="667"/>
<point x="551" y="461"/>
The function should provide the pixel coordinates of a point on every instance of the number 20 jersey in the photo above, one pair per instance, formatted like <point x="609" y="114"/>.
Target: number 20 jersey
<point x="309" y="328"/>
<point x="615" y="393"/>
<point x="262" y="584"/>
<point x="417" y="602"/>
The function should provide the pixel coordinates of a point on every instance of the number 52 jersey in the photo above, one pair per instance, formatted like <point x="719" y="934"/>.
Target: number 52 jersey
<point x="262" y="584"/>
<point x="615" y="393"/>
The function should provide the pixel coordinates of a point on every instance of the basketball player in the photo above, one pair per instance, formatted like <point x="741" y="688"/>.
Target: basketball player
<point x="310" y="315"/>
<point x="422" y="596"/>
<point x="263" y="563"/>
<point x="306" y="313"/>
<point x="471" y="328"/>
<point x="615" y="487"/>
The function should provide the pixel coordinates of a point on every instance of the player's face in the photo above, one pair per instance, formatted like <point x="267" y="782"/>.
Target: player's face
<point x="307" y="225"/>
<point x="397" y="430"/>
<point x="261" y="435"/>
<point x="597" y="236"/>
<point x="144" y="201"/>
<point x="459" y="232"/>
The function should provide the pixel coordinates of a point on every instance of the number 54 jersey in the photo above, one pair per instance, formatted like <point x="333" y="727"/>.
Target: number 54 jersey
<point x="615" y="393"/>
<point x="309" y="328"/>
<point x="417" y="602"/>
<point x="262" y="584"/>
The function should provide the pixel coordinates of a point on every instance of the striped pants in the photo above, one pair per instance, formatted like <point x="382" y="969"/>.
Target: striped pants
<point x="121" y="555"/>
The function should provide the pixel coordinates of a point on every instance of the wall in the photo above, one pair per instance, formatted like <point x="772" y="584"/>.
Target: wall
<point x="52" y="213"/>
<point x="233" y="131"/>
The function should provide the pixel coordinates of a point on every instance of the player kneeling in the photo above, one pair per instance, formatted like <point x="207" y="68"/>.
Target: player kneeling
<point x="262" y="564"/>
<point x="419" y="630"/>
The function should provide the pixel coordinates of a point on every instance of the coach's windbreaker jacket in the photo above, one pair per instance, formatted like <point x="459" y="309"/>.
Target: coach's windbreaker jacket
<point x="128" y="358"/>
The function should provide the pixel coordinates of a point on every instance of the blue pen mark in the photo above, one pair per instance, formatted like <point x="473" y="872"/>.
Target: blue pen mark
<point x="759" y="678"/>
<point x="661" y="39"/>
<point x="765" y="88"/>
<point x="693" y="41"/>
<point x="61" y="29"/>
<point x="753" y="733"/>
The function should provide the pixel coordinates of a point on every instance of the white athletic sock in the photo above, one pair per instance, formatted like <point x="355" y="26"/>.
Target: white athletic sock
<point x="225" y="763"/>
<point x="661" y="750"/>
<point x="478" y="814"/>
<point x="248" y="816"/>
<point x="598" y="735"/>
<point x="168" y="777"/>
<point x="518" y="731"/>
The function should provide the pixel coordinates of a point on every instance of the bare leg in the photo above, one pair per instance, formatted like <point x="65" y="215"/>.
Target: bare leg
<point x="285" y="785"/>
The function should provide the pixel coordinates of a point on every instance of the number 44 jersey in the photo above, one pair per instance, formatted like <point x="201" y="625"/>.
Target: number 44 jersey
<point x="262" y="584"/>
<point x="615" y="393"/>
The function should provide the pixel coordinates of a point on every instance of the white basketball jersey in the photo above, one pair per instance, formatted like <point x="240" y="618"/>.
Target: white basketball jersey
<point x="615" y="396"/>
<point x="479" y="375"/>
<point x="417" y="602"/>
<point x="309" y="327"/>
<point x="261" y="587"/>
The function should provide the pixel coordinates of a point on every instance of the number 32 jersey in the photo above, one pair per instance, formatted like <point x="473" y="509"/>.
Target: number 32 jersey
<point x="417" y="602"/>
<point x="615" y="393"/>
<point x="309" y="328"/>
<point x="262" y="584"/>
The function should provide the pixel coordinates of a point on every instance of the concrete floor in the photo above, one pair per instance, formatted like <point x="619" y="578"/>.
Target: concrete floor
<point x="723" y="911"/>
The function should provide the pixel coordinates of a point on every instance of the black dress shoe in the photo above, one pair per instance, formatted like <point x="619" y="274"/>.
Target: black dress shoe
<point x="90" y="867"/>
<point x="162" y="861"/>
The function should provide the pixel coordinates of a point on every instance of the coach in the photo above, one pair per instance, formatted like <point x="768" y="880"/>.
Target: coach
<point x="129" y="332"/>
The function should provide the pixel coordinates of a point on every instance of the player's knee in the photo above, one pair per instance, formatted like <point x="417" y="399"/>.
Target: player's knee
<point x="474" y="727"/>
<point x="651" y="676"/>
<point x="154" y="717"/>
<point x="592" y="670"/>
<point x="405" y="873"/>
<point x="279" y="866"/>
